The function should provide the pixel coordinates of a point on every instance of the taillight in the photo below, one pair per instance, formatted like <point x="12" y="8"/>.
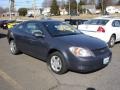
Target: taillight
<point x="101" y="29"/>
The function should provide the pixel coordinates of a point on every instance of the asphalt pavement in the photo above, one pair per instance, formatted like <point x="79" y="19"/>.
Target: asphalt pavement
<point x="23" y="72"/>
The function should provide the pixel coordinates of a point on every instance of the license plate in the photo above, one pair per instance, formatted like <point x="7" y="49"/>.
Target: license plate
<point x="106" y="60"/>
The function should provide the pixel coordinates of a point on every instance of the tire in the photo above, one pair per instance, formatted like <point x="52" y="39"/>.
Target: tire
<point x="13" y="49"/>
<point x="57" y="63"/>
<point x="112" y="41"/>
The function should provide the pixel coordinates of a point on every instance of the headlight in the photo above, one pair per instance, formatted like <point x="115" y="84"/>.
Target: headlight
<point x="80" y="52"/>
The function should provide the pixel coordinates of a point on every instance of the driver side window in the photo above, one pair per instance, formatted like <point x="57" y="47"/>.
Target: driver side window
<point x="32" y="27"/>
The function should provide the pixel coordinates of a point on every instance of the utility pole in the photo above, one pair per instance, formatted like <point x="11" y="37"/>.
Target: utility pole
<point x="10" y="10"/>
<point x="63" y="6"/>
<point x="69" y="7"/>
<point x="34" y="7"/>
<point x="12" y="5"/>
<point x="63" y="3"/>
<point x="77" y="7"/>
<point x="94" y="2"/>
<point x="102" y="4"/>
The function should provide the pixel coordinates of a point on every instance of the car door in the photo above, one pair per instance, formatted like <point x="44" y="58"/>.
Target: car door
<point x="116" y="29"/>
<point x="22" y="36"/>
<point x="37" y="46"/>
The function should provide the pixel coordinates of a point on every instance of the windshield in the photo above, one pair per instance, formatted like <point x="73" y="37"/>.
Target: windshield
<point x="56" y="28"/>
<point x="97" y="22"/>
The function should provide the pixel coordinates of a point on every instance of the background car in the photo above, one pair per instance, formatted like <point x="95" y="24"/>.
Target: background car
<point x="10" y="23"/>
<point x="30" y="15"/>
<point x="75" y="22"/>
<point x="104" y="28"/>
<point x="2" y="23"/>
<point x="61" y="45"/>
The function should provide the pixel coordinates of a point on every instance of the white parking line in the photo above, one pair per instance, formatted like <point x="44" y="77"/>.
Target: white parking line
<point x="11" y="81"/>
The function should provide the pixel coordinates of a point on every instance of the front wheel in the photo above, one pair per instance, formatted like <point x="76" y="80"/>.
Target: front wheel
<point x="57" y="63"/>
<point x="112" y="41"/>
<point x="13" y="48"/>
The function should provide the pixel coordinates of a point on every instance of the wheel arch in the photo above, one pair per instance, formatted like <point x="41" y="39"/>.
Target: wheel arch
<point x="10" y="36"/>
<point x="111" y="43"/>
<point x="62" y="52"/>
<point x="113" y="35"/>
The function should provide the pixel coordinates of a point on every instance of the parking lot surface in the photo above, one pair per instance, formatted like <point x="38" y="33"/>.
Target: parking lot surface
<point x="23" y="72"/>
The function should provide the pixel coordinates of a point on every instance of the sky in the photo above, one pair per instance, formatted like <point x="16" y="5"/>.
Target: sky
<point x="21" y="3"/>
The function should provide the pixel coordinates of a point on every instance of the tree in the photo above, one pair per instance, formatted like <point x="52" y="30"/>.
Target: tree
<point x="92" y="2"/>
<point x="54" y="8"/>
<point x="81" y="2"/>
<point x="104" y="4"/>
<point x="61" y="4"/>
<point x="73" y="7"/>
<point x="46" y="3"/>
<point x="1" y="10"/>
<point x="84" y="1"/>
<point x="118" y="2"/>
<point x="6" y="9"/>
<point x="99" y="6"/>
<point x="22" y="11"/>
<point x="81" y="10"/>
<point x="12" y="5"/>
<point x="108" y="2"/>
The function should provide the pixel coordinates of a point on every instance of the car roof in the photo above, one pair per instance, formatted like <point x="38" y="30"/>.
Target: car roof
<point x="3" y="20"/>
<point x="41" y="20"/>
<point x="44" y="20"/>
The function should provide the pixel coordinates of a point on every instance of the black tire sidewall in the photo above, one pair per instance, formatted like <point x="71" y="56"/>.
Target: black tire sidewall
<point x="64" y="66"/>
<point x="16" y="51"/>
<point x="110" y="41"/>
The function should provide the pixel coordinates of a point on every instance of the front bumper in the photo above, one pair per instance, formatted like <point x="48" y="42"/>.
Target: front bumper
<point x="89" y="64"/>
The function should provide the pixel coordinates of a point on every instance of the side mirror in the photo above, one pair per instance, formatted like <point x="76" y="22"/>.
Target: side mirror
<point x="39" y="34"/>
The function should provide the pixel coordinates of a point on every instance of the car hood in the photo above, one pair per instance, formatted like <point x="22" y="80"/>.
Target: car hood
<point x="82" y="40"/>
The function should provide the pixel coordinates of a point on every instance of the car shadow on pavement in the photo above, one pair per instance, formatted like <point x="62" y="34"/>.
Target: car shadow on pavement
<point x="90" y="88"/>
<point x="2" y="35"/>
<point x="117" y="42"/>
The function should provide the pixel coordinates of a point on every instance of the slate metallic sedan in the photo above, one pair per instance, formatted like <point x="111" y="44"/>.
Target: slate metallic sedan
<point x="59" y="44"/>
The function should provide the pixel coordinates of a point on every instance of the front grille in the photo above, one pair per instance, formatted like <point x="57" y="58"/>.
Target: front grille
<point x="101" y="51"/>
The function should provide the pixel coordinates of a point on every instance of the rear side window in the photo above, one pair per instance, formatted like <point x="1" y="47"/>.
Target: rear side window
<point x="116" y="23"/>
<point x="97" y="22"/>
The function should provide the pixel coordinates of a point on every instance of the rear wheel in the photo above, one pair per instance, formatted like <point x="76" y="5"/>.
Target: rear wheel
<point x="57" y="63"/>
<point x="112" y="41"/>
<point x="13" y="49"/>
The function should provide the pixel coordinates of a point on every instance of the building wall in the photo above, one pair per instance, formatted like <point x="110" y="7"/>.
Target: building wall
<point x="37" y="12"/>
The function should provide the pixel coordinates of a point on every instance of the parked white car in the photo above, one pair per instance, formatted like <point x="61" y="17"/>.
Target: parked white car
<point x="111" y="9"/>
<point x="104" y="28"/>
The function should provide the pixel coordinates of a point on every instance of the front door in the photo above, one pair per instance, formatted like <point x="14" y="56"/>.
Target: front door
<point x="37" y="46"/>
